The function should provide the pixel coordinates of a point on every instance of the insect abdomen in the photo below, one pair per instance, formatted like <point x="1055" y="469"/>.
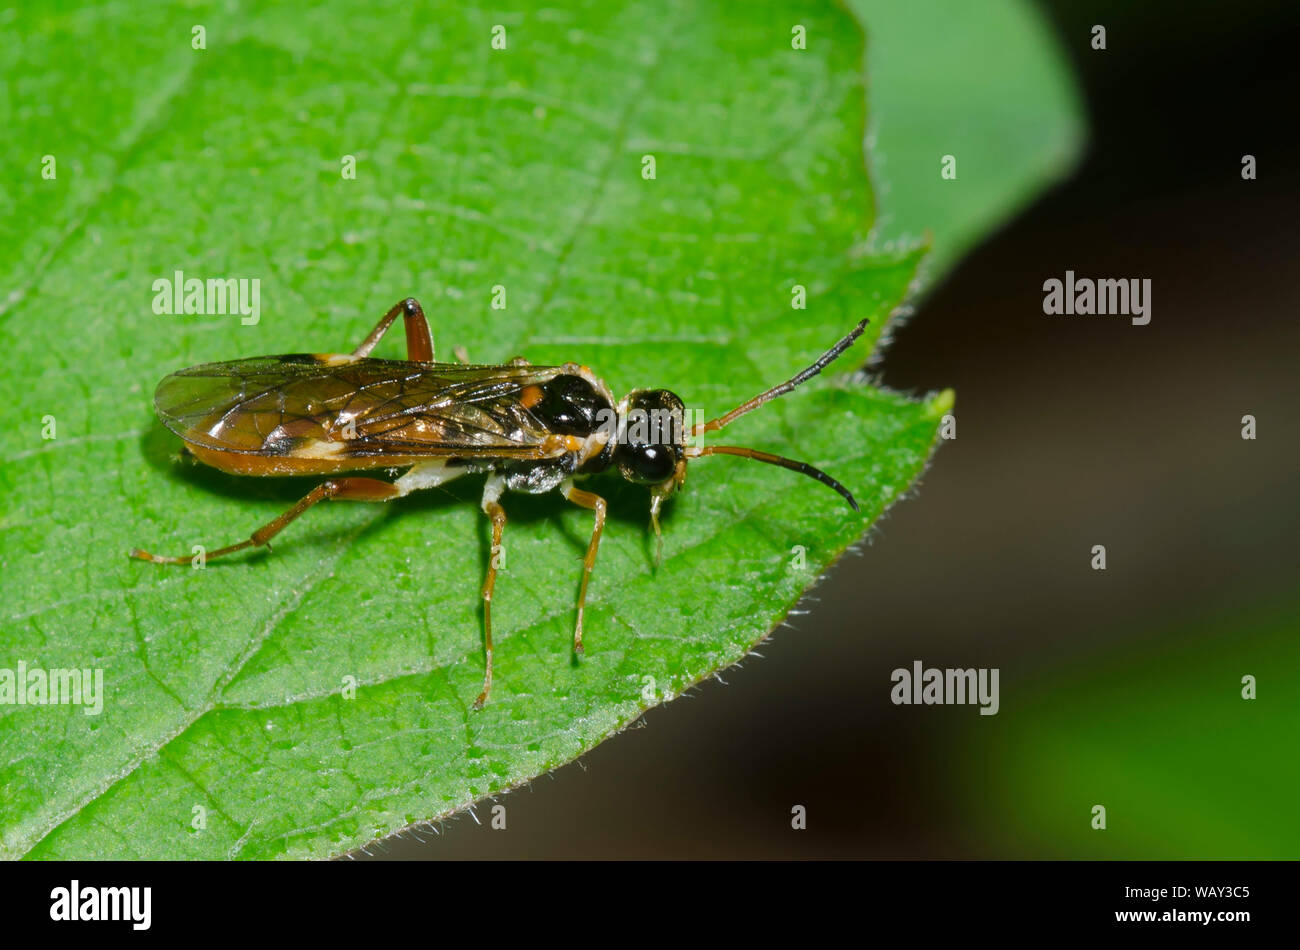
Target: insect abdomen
<point x="321" y="463"/>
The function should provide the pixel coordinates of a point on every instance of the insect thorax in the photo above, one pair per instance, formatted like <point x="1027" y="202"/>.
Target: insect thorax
<point x="571" y="404"/>
<point x="539" y="477"/>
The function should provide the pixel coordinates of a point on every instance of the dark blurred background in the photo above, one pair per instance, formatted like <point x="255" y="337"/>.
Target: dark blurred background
<point x="1119" y="687"/>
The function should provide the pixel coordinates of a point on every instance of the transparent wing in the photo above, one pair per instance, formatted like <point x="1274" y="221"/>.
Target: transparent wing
<point x="304" y="403"/>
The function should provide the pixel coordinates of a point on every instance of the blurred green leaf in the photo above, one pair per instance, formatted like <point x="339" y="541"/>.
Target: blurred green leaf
<point x="983" y="82"/>
<point x="476" y="167"/>
<point x="1163" y="738"/>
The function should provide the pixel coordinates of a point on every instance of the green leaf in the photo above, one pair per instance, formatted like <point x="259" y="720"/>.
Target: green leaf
<point x="982" y="82"/>
<point x="522" y="167"/>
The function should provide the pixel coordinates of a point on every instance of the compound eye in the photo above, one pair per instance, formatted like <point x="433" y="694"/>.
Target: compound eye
<point x="653" y="463"/>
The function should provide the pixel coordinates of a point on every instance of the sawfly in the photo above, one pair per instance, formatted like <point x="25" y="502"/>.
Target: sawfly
<point x="528" y="428"/>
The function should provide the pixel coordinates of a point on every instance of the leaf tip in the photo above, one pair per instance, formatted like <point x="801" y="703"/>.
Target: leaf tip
<point x="941" y="404"/>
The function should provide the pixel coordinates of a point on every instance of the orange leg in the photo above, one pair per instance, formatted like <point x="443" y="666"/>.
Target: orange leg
<point x="419" y="342"/>
<point x="349" y="489"/>
<point x="492" y="508"/>
<point x="597" y="504"/>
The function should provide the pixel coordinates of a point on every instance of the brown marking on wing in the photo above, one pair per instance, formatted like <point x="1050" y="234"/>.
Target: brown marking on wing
<point x="317" y="413"/>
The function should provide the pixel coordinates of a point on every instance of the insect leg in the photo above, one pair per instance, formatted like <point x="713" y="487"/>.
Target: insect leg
<point x="492" y="508"/>
<point x="350" y="489"/>
<point x="597" y="504"/>
<point x="419" y="342"/>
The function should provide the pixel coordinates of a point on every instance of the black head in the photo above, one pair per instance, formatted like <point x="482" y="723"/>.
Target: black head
<point x="651" y="447"/>
<point x="652" y="440"/>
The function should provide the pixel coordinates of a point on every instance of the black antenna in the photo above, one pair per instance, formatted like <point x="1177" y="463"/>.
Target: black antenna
<point x="798" y="379"/>
<point x="759" y="456"/>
